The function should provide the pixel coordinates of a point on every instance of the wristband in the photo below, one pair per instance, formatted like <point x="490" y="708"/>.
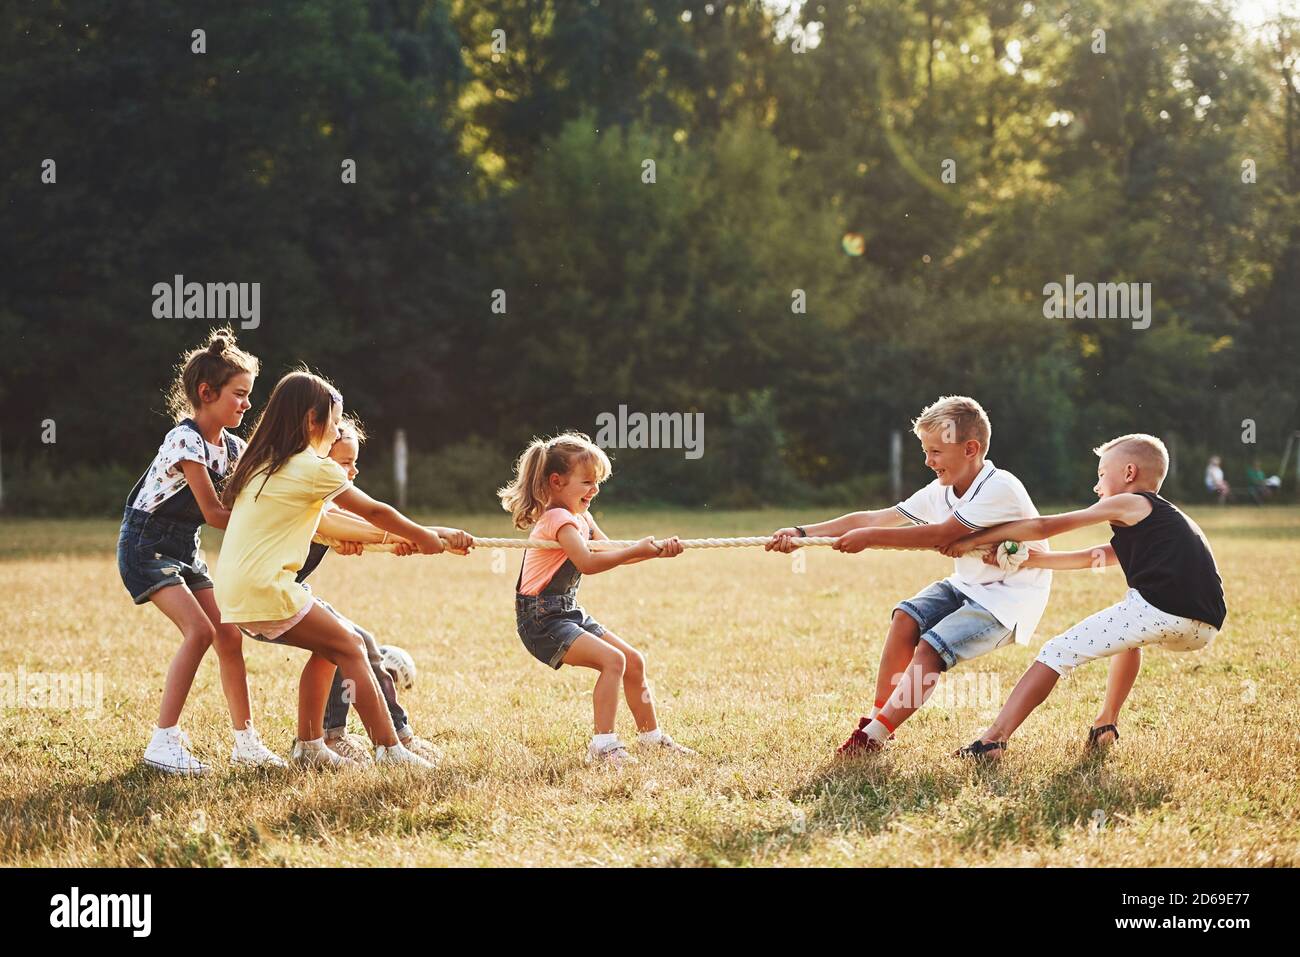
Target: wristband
<point x="802" y="533"/>
<point x="384" y="540"/>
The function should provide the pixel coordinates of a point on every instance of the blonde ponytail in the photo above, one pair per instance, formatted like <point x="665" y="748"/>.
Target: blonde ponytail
<point x="526" y="496"/>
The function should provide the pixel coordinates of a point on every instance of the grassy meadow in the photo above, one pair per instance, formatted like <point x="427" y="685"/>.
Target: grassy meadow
<point x="760" y="661"/>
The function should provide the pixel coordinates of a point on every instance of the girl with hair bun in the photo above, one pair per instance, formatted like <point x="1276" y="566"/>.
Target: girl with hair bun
<point x="158" y="546"/>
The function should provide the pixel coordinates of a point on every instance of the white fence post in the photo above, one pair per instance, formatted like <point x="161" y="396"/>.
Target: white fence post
<point x="399" y="467"/>
<point x="896" y="465"/>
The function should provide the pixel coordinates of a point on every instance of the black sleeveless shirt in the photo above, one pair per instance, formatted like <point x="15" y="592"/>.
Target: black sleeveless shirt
<point x="1167" y="559"/>
<point x="315" y="552"/>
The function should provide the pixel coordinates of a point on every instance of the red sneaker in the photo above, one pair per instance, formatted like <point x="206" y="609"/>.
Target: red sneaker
<point x="859" y="743"/>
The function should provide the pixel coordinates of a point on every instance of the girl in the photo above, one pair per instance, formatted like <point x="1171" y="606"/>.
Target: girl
<point x="354" y="532"/>
<point x="555" y="481"/>
<point x="275" y="495"/>
<point x="158" y="547"/>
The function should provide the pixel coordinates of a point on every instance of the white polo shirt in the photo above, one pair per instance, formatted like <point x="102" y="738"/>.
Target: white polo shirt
<point x="1016" y="598"/>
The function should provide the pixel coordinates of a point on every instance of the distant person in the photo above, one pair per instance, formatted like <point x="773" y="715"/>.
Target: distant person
<point x="1258" y="486"/>
<point x="1215" y="483"/>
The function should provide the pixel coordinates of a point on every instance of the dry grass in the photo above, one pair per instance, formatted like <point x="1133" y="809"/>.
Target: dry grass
<point x="761" y="668"/>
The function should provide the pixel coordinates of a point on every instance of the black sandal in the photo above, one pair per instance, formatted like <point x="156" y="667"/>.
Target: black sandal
<point x="1095" y="733"/>
<point x="979" y="750"/>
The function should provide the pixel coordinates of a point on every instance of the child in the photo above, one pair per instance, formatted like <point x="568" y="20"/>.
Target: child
<point x="555" y="481"/>
<point x="975" y="610"/>
<point x="1174" y="598"/>
<point x="275" y="495"/>
<point x="353" y="532"/>
<point x="158" y="546"/>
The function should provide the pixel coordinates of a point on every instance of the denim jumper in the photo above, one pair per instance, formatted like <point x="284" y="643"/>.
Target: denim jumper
<point x="160" y="548"/>
<point x="551" y="621"/>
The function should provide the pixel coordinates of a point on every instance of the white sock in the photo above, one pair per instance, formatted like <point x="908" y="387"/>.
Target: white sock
<point x="246" y="736"/>
<point x="601" y="741"/>
<point x="876" y="731"/>
<point x="653" y="736"/>
<point x="874" y="711"/>
<point x="315" y="744"/>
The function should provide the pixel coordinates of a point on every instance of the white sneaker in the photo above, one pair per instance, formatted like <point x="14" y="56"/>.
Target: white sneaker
<point x="613" y="755"/>
<point x="398" y="755"/>
<point x="352" y="748"/>
<point x="251" y="752"/>
<point x="665" y="743"/>
<point x="314" y="754"/>
<point x="169" y="751"/>
<point x="422" y="748"/>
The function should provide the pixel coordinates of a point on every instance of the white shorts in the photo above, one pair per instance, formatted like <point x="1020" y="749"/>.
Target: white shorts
<point x="1132" y="623"/>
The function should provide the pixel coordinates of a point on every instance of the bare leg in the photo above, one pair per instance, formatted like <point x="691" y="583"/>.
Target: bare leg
<point x="177" y="602"/>
<point x="228" y="642"/>
<point x="635" y="687"/>
<point x="918" y="682"/>
<point x="1123" y="671"/>
<point x="324" y="635"/>
<point x="900" y="645"/>
<point x="591" y="652"/>
<point x="1030" y="691"/>
<point x="313" y="689"/>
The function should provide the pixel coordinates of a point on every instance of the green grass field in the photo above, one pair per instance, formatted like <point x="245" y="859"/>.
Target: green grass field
<point x="762" y="667"/>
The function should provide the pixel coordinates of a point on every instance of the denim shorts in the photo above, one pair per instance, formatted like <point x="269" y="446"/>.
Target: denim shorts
<point x="957" y="627"/>
<point x="549" y="625"/>
<point x="155" y="553"/>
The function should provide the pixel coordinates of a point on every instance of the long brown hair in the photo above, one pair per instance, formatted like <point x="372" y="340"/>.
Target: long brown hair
<point x="526" y="496"/>
<point x="283" y="429"/>
<point x="214" y="363"/>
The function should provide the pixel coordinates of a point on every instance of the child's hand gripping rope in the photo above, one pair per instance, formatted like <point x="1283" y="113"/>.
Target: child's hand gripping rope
<point x="1007" y="556"/>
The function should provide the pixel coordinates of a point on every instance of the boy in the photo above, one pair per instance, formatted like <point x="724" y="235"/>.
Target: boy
<point x="336" y="747"/>
<point x="976" y="609"/>
<point x="1175" y="594"/>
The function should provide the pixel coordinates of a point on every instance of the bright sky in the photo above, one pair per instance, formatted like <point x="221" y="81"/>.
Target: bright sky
<point x="1254" y="12"/>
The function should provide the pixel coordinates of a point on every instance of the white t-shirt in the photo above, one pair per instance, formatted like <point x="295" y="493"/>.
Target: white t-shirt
<point x="1016" y="598"/>
<point x="182" y="444"/>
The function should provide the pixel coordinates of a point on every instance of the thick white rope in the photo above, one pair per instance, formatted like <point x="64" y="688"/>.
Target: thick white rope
<point x="602" y="545"/>
<point x="1010" y="554"/>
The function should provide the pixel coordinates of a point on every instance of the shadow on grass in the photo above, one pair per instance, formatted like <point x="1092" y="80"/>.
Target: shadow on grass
<point x="149" y="818"/>
<point x="977" y="807"/>
<point x="1086" y="794"/>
